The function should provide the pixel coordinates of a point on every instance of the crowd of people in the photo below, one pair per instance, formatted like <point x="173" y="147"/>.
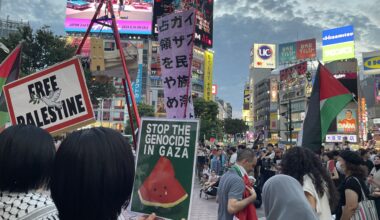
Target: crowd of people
<point x="334" y="184"/>
<point x="90" y="176"/>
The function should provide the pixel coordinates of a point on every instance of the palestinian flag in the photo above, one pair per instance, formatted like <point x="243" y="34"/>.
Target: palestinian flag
<point x="9" y="70"/>
<point x="327" y="99"/>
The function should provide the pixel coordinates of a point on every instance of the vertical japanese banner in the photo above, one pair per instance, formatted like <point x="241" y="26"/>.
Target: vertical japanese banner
<point x="207" y="89"/>
<point x="176" y="36"/>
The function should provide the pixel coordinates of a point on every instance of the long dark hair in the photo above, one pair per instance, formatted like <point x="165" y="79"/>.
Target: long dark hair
<point x="93" y="175"/>
<point x="299" y="161"/>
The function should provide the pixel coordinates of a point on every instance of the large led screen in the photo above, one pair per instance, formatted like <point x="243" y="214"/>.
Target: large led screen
<point x="132" y="16"/>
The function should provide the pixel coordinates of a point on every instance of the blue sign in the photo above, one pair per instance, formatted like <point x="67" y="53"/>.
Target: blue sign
<point x="338" y="35"/>
<point x="137" y="85"/>
<point x="264" y="52"/>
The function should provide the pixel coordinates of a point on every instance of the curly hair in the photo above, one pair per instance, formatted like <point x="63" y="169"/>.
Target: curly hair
<point x="299" y="161"/>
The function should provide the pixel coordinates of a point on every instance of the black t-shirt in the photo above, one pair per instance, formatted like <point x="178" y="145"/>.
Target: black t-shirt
<point x="352" y="184"/>
<point x="369" y="165"/>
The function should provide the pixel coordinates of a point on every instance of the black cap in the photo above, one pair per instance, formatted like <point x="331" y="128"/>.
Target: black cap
<point x="351" y="157"/>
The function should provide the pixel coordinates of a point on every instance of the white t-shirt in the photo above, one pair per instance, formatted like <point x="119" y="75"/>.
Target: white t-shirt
<point x="322" y="204"/>
<point x="233" y="158"/>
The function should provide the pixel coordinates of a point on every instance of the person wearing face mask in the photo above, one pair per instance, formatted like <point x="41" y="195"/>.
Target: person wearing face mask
<point x="374" y="181"/>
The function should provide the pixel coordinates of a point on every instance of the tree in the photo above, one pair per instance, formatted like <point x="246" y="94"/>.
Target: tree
<point x="42" y="49"/>
<point x="207" y="112"/>
<point x="144" y="110"/>
<point x="98" y="89"/>
<point x="234" y="126"/>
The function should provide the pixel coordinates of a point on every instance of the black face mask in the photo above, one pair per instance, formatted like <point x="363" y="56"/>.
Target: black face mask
<point x="377" y="166"/>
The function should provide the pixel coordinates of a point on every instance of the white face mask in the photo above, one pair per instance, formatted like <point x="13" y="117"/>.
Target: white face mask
<point x="338" y="167"/>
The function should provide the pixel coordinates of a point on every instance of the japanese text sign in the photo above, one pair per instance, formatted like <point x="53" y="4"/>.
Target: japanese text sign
<point x="55" y="99"/>
<point x="208" y="66"/>
<point x="176" y="35"/>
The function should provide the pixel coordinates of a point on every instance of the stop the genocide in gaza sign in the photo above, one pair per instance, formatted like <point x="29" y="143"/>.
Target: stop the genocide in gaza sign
<point x="55" y="99"/>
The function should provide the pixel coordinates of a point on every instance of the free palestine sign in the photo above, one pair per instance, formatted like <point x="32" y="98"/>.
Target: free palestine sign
<point x="55" y="99"/>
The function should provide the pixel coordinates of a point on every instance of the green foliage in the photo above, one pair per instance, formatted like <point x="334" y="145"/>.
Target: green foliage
<point x="233" y="126"/>
<point x="207" y="112"/>
<point x="98" y="89"/>
<point x="144" y="111"/>
<point x="40" y="49"/>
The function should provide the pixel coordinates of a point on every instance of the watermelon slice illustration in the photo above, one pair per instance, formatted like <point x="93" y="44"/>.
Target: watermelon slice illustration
<point x="161" y="188"/>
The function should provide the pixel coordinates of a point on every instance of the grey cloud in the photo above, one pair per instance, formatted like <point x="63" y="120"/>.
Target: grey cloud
<point x="37" y="12"/>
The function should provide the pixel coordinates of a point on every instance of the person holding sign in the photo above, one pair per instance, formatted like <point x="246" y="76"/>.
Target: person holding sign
<point x="235" y="193"/>
<point x="93" y="175"/>
<point x="26" y="162"/>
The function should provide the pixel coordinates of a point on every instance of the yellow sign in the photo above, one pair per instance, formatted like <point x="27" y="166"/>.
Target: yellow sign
<point x="208" y="68"/>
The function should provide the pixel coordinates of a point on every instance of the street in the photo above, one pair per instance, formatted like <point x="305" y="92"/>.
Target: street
<point x="207" y="209"/>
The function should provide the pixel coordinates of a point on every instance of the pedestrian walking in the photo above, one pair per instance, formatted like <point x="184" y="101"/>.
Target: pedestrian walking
<point x="235" y="193"/>
<point x="306" y="167"/>
<point x="374" y="181"/>
<point x="26" y="163"/>
<point x="284" y="199"/>
<point x="353" y="190"/>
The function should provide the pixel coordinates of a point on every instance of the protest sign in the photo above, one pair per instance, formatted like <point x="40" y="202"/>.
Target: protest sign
<point x="165" y="167"/>
<point x="55" y="99"/>
<point x="176" y="36"/>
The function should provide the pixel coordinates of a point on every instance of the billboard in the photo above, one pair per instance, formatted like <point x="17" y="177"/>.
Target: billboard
<point x="287" y="52"/>
<point x="264" y="56"/>
<point x="346" y="69"/>
<point x="300" y="50"/>
<point x="377" y="90"/>
<point x="208" y="67"/>
<point x="371" y="62"/>
<point x="273" y="121"/>
<point x="247" y="97"/>
<point x="155" y="68"/>
<point x="131" y="17"/>
<point x="338" y="44"/>
<point x="204" y="17"/>
<point x="346" y="121"/>
<point x="306" y="49"/>
<point x="273" y="90"/>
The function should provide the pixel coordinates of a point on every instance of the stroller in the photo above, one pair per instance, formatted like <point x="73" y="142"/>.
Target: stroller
<point x="210" y="191"/>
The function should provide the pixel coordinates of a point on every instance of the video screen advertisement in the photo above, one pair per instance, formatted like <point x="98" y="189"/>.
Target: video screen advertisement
<point x="205" y="11"/>
<point x="132" y="16"/>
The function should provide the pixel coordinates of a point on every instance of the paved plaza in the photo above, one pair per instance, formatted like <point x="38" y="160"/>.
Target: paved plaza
<point x="207" y="209"/>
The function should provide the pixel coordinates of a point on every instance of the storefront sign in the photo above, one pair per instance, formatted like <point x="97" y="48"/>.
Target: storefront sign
<point x="339" y="138"/>
<point x="371" y="62"/>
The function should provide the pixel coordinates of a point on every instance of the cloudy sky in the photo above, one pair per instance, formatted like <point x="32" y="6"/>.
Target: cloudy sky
<point x="240" y="23"/>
